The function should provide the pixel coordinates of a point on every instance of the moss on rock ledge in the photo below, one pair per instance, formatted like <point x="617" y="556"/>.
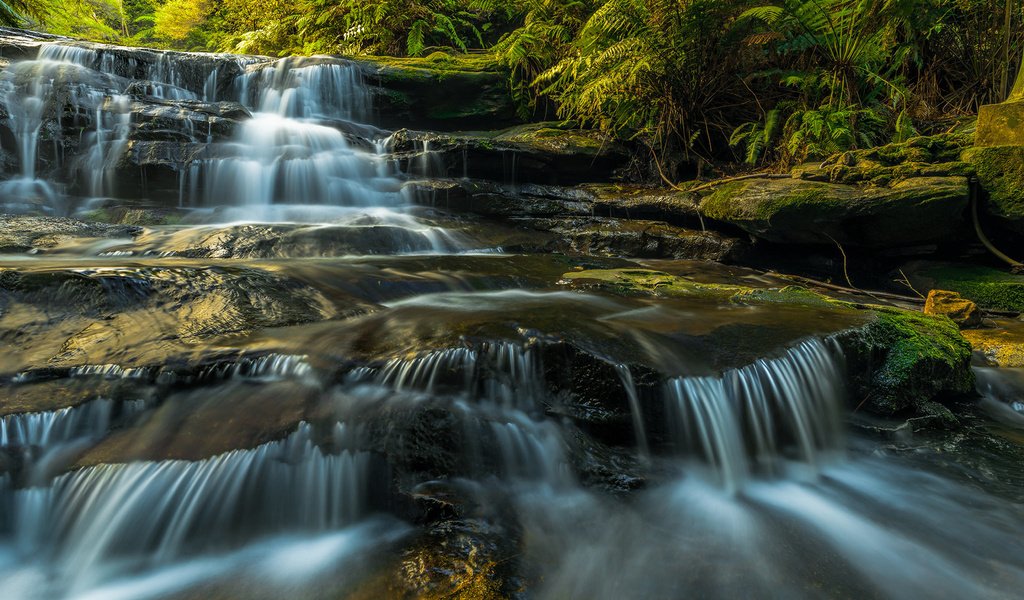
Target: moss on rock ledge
<point x="899" y="361"/>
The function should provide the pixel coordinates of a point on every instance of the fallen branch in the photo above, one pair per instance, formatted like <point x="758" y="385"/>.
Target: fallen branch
<point x="718" y="182"/>
<point x="850" y="290"/>
<point x="879" y="295"/>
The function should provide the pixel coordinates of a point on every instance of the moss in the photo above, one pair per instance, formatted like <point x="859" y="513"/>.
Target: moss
<point x="792" y="295"/>
<point x="1000" y="172"/>
<point x="723" y="204"/>
<point x="989" y="288"/>
<point x="903" y="360"/>
<point x="645" y="282"/>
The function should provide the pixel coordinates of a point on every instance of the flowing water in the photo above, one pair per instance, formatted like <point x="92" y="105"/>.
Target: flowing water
<point x="317" y="391"/>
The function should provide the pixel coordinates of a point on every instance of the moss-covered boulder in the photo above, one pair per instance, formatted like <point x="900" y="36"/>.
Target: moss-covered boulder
<point x="1000" y="173"/>
<point x="920" y="210"/>
<point x="441" y="91"/>
<point x="904" y="361"/>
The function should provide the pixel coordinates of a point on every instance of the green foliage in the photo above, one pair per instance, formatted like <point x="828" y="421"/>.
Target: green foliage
<point x="657" y="70"/>
<point x="397" y="27"/>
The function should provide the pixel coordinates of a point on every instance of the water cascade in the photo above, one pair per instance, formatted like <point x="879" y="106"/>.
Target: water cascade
<point x="759" y="417"/>
<point x="96" y="522"/>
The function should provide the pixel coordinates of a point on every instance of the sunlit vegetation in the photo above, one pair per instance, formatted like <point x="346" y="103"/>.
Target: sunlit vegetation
<point x="757" y="81"/>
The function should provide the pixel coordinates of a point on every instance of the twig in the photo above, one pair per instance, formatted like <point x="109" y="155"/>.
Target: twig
<point x="839" y="288"/>
<point x="878" y="295"/>
<point x="719" y="182"/>
<point x="657" y="163"/>
<point x="906" y="282"/>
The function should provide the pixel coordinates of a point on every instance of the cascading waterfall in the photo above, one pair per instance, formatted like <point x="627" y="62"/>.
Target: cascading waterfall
<point x="100" y="521"/>
<point x="293" y="151"/>
<point x="754" y="418"/>
<point x="286" y="154"/>
<point x="30" y="96"/>
<point x="498" y="391"/>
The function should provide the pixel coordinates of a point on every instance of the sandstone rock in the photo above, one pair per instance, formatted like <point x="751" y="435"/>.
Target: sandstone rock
<point x="962" y="311"/>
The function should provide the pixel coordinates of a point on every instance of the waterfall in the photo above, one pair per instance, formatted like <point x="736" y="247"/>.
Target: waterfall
<point x="46" y="429"/>
<point x="98" y="521"/>
<point x="753" y="418"/>
<point x="317" y="91"/>
<point x="497" y="373"/>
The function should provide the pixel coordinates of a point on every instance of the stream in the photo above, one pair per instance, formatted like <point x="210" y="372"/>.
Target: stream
<point x="313" y="385"/>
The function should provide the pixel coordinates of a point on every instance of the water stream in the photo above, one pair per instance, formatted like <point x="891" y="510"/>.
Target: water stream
<point x="302" y="390"/>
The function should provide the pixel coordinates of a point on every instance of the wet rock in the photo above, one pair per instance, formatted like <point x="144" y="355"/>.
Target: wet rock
<point x="641" y="239"/>
<point x="185" y="121"/>
<point x="198" y="424"/>
<point x="498" y="200"/>
<point x="463" y="558"/>
<point x="140" y="316"/>
<point x="1001" y="345"/>
<point x="19" y="44"/>
<point x="963" y="312"/>
<point x="919" y="210"/>
<point x="677" y="207"/>
<point x="278" y="241"/>
<point x="21" y="233"/>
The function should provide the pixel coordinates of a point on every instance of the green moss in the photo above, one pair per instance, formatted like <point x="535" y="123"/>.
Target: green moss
<point x="723" y="204"/>
<point x="792" y="295"/>
<point x="645" y="282"/>
<point x="904" y="360"/>
<point x="989" y="288"/>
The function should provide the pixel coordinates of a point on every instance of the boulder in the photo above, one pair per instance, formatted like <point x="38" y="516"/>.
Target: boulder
<point x="963" y="312"/>
<point x="915" y="211"/>
<point x="540" y="153"/>
<point x="441" y="91"/>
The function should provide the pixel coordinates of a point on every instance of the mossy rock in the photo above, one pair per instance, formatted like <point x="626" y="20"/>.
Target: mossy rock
<point x="447" y="93"/>
<point x="922" y="156"/>
<point x="988" y="287"/>
<point x="920" y="210"/>
<point x="903" y="361"/>
<point x="1000" y="172"/>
